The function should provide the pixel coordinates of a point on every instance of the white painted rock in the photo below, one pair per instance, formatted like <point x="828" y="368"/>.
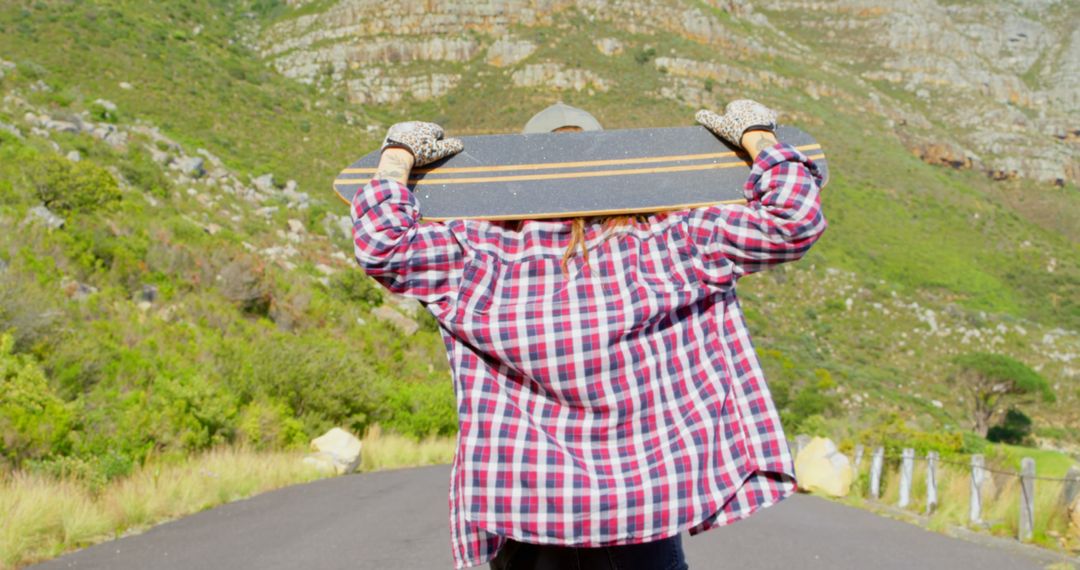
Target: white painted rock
<point x="338" y="447"/>
<point x="322" y="462"/>
<point x="821" y="468"/>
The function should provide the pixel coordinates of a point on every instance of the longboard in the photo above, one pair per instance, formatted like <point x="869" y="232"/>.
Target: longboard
<point x="552" y="175"/>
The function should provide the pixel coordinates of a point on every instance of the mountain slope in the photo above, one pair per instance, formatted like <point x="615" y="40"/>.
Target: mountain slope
<point x="259" y="318"/>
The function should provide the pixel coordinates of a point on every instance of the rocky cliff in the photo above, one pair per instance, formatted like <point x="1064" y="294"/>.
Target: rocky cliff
<point x="993" y="86"/>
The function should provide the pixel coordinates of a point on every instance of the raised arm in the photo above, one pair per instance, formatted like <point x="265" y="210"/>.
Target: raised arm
<point x="422" y="261"/>
<point x="782" y="217"/>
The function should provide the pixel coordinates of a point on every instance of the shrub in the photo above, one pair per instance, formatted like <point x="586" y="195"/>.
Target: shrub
<point x="265" y="424"/>
<point x="34" y="422"/>
<point x="73" y="187"/>
<point x="894" y="435"/>
<point x="355" y="286"/>
<point x="27" y="313"/>
<point x="421" y="408"/>
<point x="143" y="173"/>
<point x="1015" y="428"/>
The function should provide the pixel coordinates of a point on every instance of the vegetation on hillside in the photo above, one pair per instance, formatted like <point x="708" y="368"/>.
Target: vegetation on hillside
<point x="155" y="324"/>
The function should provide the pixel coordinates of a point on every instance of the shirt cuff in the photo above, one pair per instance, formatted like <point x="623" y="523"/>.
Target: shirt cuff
<point x="779" y="153"/>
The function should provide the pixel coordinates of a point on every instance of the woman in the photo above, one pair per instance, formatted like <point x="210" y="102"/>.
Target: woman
<point x="606" y="401"/>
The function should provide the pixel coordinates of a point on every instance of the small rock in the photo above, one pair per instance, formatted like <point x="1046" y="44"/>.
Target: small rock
<point x="126" y="86"/>
<point x="76" y="291"/>
<point x="61" y="126"/>
<point x="11" y="129"/>
<point x="43" y="214"/>
<point x="74" y="156"/>
<point x="3" y="265"/>
<point x="325" y="269"/>
<point x="345" y="224"/>
<point x="407" y="326"/>
<point x="212" y="229"/>
<point x="105" y="104"/>
<point x="338" y="447"/>
<point x="265" y="184"/>
<point x="937" y="404"/>
<point x="296" y="226"/>
<point x="609" y="46"/>
<point x="267" y="211"/>
<point x="190" y="166"/>
<point x="148" y="294"/>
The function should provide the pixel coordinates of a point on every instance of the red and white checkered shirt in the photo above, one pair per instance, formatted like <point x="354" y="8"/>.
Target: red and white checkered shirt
<point x="620" y="402"/>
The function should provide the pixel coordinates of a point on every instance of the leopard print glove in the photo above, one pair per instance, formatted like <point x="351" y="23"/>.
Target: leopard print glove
<point x="424" y="140"/>
<point x="739" y="116"/>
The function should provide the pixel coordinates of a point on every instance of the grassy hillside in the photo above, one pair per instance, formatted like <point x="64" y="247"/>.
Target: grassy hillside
<point x="245" y="344"/>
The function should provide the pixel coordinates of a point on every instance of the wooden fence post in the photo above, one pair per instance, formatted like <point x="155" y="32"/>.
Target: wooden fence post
<point x="875" y="472"/>
<point x="907" y="467"/>
<point x="858" y="456"/>
<point x="931" y="481"/>
<point x="978" y="475"/>
<point x="1071" y="488"/>
<point x="1027" y="498"/>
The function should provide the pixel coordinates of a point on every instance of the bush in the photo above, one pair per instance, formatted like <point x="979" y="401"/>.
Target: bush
<point x="34" y="422"/>
<point x="894" y="435"/>
<point x="1015" y="428"/>
<point x="354" y="286"/>
<point x="73" y="187"/>
<point x="143" y="173"/>
<point x="421" y="408"/>
<point x="267" y="425"/>
<point x="27" y="313"/>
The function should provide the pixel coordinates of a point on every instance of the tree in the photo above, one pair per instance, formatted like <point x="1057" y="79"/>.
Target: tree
<point x="994" y="379"/>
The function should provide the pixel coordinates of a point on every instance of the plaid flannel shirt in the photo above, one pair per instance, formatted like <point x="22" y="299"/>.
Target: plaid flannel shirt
<point x="620" y="402"/>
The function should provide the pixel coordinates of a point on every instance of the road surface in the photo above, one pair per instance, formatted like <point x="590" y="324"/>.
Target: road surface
<point x="399" y="519"/>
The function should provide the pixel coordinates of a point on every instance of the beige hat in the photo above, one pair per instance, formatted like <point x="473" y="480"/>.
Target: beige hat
<point x="561" y="115"/>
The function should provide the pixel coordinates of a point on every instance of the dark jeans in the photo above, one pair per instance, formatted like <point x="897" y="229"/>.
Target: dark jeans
<point x="666" y="554"/>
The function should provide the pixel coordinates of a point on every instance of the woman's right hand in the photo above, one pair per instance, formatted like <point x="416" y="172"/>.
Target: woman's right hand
<point x="423" y="140"/>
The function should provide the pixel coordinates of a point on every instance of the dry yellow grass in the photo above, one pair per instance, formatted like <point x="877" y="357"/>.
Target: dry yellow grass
<point x="1000" y="501"/>
<point x="389" y="451"/>
<point x="45" y="517"/>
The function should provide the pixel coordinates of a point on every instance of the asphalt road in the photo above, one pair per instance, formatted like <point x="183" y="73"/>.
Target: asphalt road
<point x="399" y="519"/>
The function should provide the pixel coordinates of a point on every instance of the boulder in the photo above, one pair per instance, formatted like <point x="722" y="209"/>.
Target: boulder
<point x="821" y="468"/>
<point x="322" y="462"/>
<point x="45" y="216"/>
<point x="336" y="448"/>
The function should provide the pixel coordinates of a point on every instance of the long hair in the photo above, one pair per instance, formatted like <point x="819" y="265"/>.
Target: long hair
<point x="577" y="235"/>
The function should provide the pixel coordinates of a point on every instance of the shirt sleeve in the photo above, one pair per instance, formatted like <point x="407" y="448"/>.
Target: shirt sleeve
<point x="780" y="221"/>
<point x="422" y="261"/>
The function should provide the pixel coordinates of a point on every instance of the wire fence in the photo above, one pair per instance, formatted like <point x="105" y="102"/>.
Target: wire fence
<point x="1054" y="504"/>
